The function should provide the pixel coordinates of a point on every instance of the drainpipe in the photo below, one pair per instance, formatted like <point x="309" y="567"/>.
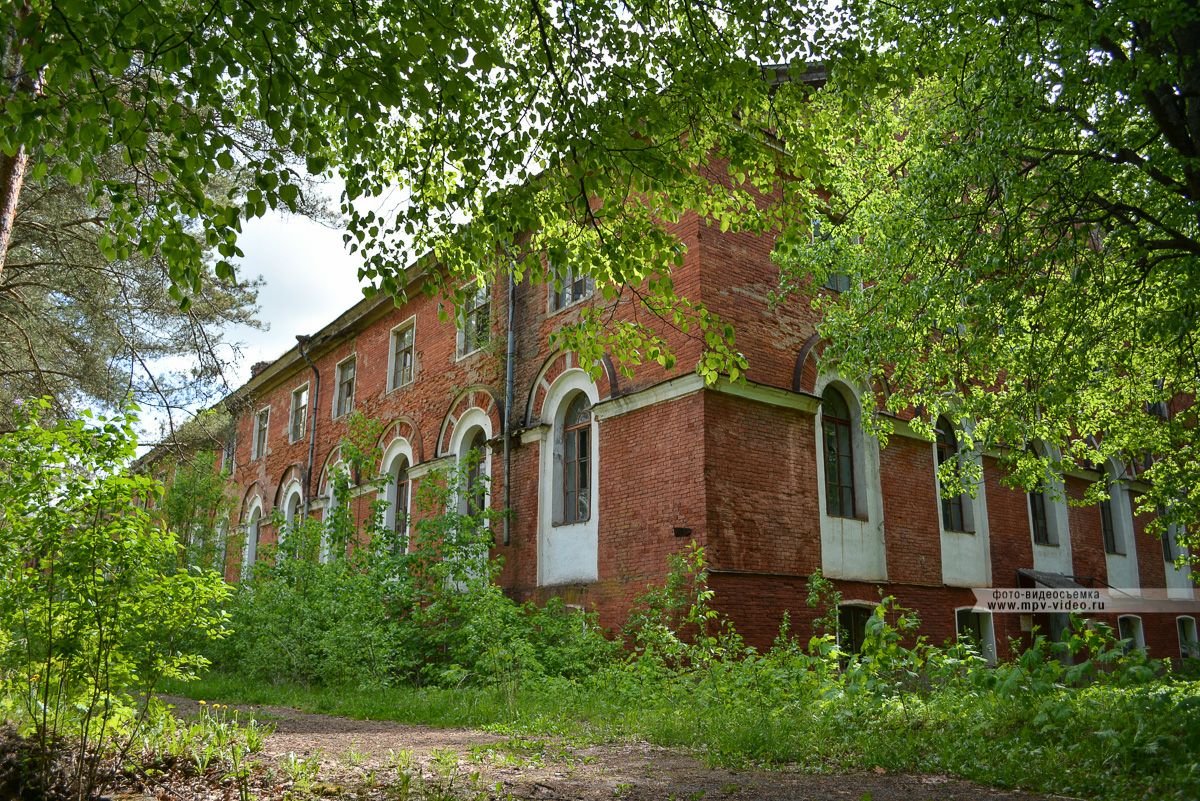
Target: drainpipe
<point x="508" y="402"/>
<point x="302" y="342"/>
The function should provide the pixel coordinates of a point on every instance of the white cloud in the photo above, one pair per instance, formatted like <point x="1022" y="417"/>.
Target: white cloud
<point x="309" y="279"/>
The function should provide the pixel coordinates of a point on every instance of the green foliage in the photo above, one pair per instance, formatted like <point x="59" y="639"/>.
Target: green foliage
<point x="1012" y="186"/>
<point x="215" y="744"/>
<point x="1102" y="720"/>
<point x="195" y="503"/>
<point x="675" y="626"/>
<point x="94" y="609"/>
<point x="93" y="329"/>
<point x="421" y="608"/>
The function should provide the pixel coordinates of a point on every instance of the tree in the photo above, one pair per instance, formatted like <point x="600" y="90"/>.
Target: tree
<point x="1015" y="190"/>
<point x="1013" y="185"/>
<point x="94" y="608"/>
<point x="85" y="328"/>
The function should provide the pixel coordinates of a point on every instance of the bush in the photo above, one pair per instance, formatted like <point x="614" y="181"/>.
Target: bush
<point x="94" y="608"/>
<point x="423" y="610"/>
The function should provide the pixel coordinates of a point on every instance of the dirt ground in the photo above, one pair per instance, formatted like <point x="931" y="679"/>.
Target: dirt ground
<point x="370" y="759"/>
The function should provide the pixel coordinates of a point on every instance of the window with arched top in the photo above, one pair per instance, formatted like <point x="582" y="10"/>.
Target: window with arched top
<point x="837" y="431"/>
<point x="576" y="444"/>
<point x="253" y="531"/>
<point x="476" y="479"/>
<point x="293" y="512"/>
<point x="956" y="509"/>
<point x="1039" y="516"/>
<point x="399" y="497"/>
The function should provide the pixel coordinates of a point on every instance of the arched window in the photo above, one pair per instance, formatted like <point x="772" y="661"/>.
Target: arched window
<point x="476" y="494"/>
<point x="1129" y="628"/>
<point x="837" y="429"/>
<point x="253" y="529"/>
<point x="293" y="509"/>
<point x="1189" y="643"/>
<point x="956" y="510"/>
<point x="1043" y="532"/>
<point x="399" y="499"/>
<point x="576" y="444"/>
<point x="852" y="625"/>
<point x="291" y="512"/>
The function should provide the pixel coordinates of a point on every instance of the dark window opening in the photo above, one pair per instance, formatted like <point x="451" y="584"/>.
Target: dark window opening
<point x="838" y="436"/>
<point x="852" y="627"/>
<point x="576" y="476"/>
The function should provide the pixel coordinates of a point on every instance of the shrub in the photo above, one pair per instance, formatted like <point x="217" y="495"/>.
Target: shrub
<point x="94" y="609"/>
<point x="422" y="609"/>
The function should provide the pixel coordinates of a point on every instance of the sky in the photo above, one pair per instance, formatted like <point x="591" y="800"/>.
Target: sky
<point x="309" y="280"/>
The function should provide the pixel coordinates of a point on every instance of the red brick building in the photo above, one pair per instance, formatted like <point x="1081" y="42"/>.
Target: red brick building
<point x="773" y="475"/>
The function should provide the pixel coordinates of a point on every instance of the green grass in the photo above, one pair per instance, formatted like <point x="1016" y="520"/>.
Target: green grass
<point x="1102" y="742"/>
<point x="530" y="710"/>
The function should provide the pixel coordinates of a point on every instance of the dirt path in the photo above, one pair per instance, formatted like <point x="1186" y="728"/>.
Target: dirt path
<point x="369" y="759"/>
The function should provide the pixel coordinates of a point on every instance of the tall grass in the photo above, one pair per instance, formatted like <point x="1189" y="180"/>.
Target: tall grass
<point x="1085" y="717"/>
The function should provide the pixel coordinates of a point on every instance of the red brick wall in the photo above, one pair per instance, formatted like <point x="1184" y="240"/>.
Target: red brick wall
<point x="740" y="474"/>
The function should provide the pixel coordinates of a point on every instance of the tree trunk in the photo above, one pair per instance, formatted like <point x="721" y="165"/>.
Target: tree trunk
<point x="12" y="177"/>
<point x="14" y="167"/>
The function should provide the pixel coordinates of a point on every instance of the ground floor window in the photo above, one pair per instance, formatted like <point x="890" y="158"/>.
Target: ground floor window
<point x="1189" y="642"/>
<point x="1129" y="627"/>
<point x="852" y="626"/>
<point x="975" y="628"/>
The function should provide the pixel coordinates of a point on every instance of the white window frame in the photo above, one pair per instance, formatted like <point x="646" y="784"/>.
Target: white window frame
<point x="460" y="444"/>
<point x="293" y="509"/>
<point x="1056" y="556"/>
<point x="1122" y="567"/>
<point x="325" y="551"/>
<point x="1138" y="640"/>
<point x="851" y="547"/>
<point x="987" y="648"/>
<point x="393" y="353"/>
<point x="567" y="553"/>
<point x="260" y="449"/>
<point x="481" y="299"/>
<point x="398" y="450"/>
<point x="253" y="529"/>
<point x="569" y="299"/>
<point x="293" y="437"/>
<point x="1189" y="649"/>
<point x="338" y="412"/>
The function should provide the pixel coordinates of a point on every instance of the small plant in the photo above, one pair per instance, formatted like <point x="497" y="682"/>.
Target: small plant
<point x="302" y="772"/>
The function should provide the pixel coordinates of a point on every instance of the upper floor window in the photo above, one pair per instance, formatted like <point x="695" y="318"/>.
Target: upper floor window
<point x="1108" y="526"/>
<point x="838" y="282"/>
<point x="837" y="431"/>
<point x="344" y="389"/>
<point x="403" y="354"/>
<point x="1039" y="510"/>
<point x="228" y="453"/>
<point x="956" y="510"/>
<point x="575" y="287"/>
<point x="576" y="479"/>
<point x="262" y="421"/>
<point x="1169" y="549"/>
<point x="475" y="321"/>
<point x="299" y="414"/>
